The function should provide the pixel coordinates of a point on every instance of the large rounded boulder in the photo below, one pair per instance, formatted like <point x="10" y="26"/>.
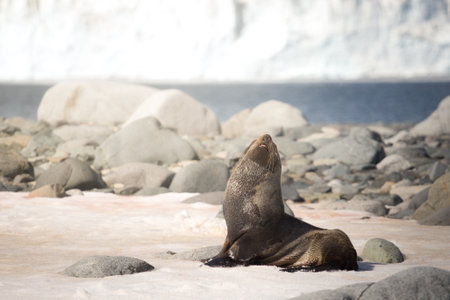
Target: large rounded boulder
<point x="104" y="103"/>
<point x="179" y="111"/>
<point x="437" y="123"/>
<point x="271" y="117"/>
<point x="143" y="140"/>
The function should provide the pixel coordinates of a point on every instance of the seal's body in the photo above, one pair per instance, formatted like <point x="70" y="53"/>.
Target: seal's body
<point x="259" y="232"/>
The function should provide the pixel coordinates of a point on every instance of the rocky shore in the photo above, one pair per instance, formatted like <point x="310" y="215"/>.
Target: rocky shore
<point x="130" y="139"/>
<point x="127" y="140"/>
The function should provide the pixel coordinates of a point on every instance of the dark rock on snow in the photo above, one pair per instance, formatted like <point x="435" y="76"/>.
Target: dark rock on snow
<point x="102" y="266"/>
<point x="414" y="283"/>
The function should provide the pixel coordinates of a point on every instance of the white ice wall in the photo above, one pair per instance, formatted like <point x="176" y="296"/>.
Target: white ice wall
<point x="223" y="39"/>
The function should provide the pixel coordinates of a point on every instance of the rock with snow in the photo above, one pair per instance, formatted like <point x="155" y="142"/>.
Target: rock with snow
<point x="91" y="102"/>
<point x="101" y="266"/>
<point x="143" y="140"/>
<point x="71" y="173"/>
<point x="179" y="111"/>
<point x="437" y="123"/>
<point x="141" y="175"/>
<point x="201" y="177"/>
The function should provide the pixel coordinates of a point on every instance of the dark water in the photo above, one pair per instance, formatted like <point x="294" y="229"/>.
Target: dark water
<point x="320" y="102"/>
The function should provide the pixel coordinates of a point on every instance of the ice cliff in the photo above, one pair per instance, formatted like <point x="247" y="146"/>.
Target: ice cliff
<point x="223" y="39"/>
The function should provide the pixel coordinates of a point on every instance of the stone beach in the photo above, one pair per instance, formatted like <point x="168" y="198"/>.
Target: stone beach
<point x="127" y="141"/>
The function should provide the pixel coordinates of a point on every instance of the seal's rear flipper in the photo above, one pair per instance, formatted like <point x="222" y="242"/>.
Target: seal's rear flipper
<point x="220" y="262"/>
<point x="320" y="268"/>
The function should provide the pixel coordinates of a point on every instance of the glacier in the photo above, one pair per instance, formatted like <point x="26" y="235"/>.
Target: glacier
<point x="223" y="40"/>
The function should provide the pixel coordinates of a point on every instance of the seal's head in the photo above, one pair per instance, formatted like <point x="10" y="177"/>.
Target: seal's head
<point x="264" y="152"/>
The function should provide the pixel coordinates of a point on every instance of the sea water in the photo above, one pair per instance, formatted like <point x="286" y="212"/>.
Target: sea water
<point x="321" y="102"/>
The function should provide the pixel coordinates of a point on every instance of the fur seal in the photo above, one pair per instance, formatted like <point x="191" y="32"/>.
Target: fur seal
<point x="260" y="233"/>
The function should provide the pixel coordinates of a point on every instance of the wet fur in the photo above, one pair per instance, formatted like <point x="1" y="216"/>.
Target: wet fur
<point x="260" y="233"/>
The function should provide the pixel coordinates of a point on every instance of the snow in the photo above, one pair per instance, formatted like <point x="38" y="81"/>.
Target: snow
<point x="223" y="39"/>
<point x="40" y="237"/>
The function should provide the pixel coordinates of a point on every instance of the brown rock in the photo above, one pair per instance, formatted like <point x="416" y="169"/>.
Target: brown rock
<point x="53" y="190"/>
<point x="438" y="198"/>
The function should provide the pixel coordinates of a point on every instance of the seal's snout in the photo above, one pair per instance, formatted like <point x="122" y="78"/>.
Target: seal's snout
<point x="264" y="141"/>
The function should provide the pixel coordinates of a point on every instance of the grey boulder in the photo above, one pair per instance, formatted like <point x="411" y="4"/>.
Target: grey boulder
<point x="71" y="174"/>
<point x="143" y="140"/>
<point x="361" y="147"/>
<point x="140" y="175"/>
<point x="414" y="283"/>
<point x="102" y="266"/>
<point x="382" y="251"/>
<point x="201" y="177"/>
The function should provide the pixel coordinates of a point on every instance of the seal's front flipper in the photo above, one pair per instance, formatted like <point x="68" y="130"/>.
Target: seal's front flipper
<point x="220" y="262"/>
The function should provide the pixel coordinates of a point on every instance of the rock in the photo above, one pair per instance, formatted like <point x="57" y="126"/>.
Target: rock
<point x="382" y="251"/>
<point x="20" y="140"/>
<point x="337" y="171"/>
<point x="101" y="266"/>
<point x="201" y="177"/>
<point x="406" y="192"/>
<point x="151" y="191"/>
<point x="54" y="190"/>
<point x="361" y="147"/>
<point x="327" y="133"/>
<point x="441" y="218"/>
<point x="143" y="141"/>
<point x="89" y="132"/>
<point x="214" y="198"/>
<point x="371" y="206"/>
<point x="234" y="127"/>
<point x="195" y="255"/>
<point x="289" y="147"/>
<point x="415" y="155"/>
<point x="438" y="198"/>
<point x="71" y="173"/>
<point x="390" y="200"/>
<point x="43" y="143"/>
<point x="349" y="292"/>
<point x="304" y="131"/>
<point x="26" y="126"/>
<point x="413" y="283"/>
<point x="89" y="102"/>
<point x="437" y="123"/>
<point x="140" y="175"/>
<point x="83" y="149"/>
<point x="179" y="111"/>
<point x="12" y="163"/>
<point x="23" y="178"/>
<point x="437" y="170"/>
<point x="270" y="117"/>
<point x="74" y="192"/>
<point x="393" y="163"/>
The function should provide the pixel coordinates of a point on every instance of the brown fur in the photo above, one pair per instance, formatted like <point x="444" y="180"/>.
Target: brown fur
<point x="259" y="232"/>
